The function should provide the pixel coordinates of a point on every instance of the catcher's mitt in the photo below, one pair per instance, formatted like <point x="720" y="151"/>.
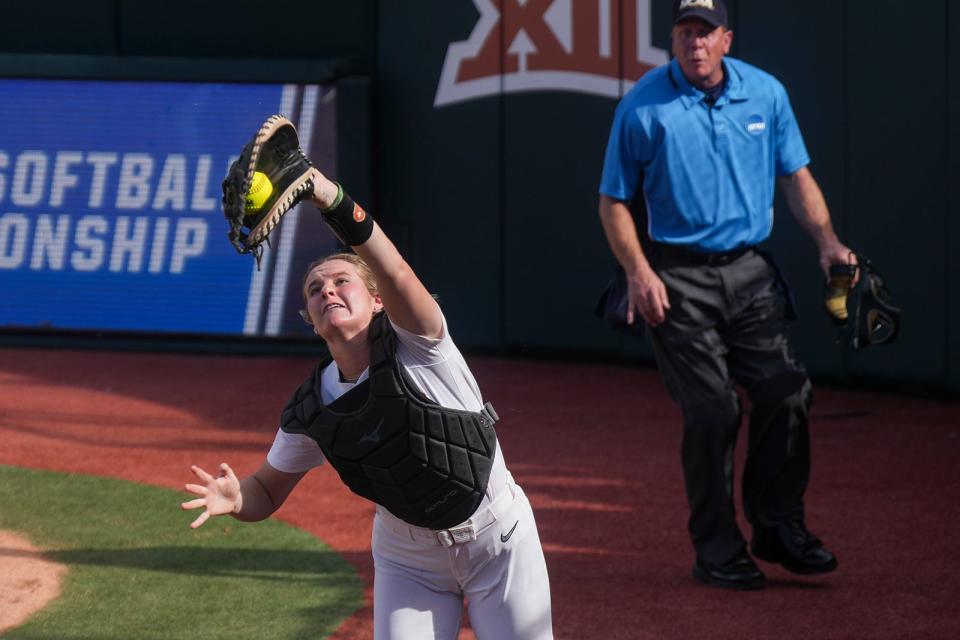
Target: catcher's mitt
<point x="275" y="152"/>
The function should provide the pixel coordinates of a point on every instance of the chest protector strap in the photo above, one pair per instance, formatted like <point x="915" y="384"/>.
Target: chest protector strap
<point x="426" y="464"/>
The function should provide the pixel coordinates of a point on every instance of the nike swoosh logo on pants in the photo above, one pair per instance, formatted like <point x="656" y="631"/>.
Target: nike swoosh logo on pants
<point x="506" y="536"/>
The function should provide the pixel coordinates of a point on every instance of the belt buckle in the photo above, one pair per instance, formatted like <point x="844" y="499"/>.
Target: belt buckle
<point x="444" y="538"/>
<point x="466" y="533"/>
<point x="725" y="257"/>
<point x="457" y="535"/>
<point x="717" y="259"/>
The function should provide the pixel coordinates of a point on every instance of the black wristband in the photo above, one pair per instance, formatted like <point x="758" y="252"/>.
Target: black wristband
<point x="351" y="224"/>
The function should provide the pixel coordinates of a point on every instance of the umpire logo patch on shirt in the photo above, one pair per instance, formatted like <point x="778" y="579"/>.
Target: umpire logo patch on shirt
<point x="756" y="125"/>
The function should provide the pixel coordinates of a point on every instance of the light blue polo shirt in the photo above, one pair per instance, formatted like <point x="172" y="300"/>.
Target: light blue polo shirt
<point x="708" y="173"/>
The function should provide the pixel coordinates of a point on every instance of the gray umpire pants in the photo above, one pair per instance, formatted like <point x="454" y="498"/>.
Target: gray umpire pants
<point x="727" y="325"/>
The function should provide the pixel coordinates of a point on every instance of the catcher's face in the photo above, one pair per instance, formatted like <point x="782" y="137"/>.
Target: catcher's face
<point x="338" y="301"/>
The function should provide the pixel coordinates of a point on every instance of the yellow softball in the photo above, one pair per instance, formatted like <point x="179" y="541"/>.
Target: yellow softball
<point x="260" y="190"/>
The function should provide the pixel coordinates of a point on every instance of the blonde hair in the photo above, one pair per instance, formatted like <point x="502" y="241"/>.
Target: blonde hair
<point x="363" y="270"/>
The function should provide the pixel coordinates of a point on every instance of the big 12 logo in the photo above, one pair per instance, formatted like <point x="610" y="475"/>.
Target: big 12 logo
<point x="568" y="45"/>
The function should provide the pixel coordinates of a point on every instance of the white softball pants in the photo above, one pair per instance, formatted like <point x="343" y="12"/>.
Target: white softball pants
<point x="420" y="584"/>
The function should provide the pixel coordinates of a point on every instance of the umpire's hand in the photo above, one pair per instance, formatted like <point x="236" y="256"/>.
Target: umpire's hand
<point x="835" y="252"/>
<point x="648" y="296"/>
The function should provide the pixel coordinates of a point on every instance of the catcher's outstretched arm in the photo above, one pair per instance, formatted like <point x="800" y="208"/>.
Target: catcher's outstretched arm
<point x="252" y="499"/>
<point x="407" y="302"/>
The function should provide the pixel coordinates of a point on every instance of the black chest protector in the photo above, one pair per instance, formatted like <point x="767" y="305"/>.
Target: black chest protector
<point x="428" y="465"/>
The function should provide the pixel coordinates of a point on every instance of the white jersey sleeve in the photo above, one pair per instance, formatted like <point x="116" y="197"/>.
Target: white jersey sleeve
<point x="294" y="452"/>
<point x="438" y="369"/>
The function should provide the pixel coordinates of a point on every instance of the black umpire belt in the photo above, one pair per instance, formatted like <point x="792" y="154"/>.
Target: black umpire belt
<point x="678" y="254"/>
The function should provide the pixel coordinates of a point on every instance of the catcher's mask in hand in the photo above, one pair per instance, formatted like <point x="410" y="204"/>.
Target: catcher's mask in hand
<point x="874" y="319"/>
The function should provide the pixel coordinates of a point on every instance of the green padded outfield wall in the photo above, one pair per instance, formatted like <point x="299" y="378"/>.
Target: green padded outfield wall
<point x="487" y="124"/>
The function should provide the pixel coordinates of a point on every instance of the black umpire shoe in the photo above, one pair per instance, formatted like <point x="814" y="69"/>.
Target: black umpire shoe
<point x="740" y="572"/>
<point x="790" y="544"/>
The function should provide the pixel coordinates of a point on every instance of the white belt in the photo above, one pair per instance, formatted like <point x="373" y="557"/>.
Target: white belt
<point x="483" y="518"/>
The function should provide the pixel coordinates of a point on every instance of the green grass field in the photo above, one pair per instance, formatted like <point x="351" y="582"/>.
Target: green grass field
<point x="137" y="571"/>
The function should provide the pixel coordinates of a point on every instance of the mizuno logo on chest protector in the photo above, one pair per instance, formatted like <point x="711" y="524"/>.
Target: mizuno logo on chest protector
<point x="372" y="436"/>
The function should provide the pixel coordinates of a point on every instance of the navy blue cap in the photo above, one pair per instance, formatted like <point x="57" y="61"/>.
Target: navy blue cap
<point x="710" y="11"/>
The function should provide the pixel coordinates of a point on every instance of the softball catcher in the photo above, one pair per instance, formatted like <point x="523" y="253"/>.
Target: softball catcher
<point x="398" y="415"/>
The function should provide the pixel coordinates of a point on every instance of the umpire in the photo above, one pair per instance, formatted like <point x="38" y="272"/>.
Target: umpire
<point x="705" y="138"/>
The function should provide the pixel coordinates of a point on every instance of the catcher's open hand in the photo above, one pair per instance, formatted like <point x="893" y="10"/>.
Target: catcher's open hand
<point x="274" y="152"/>
<point x="219" y="496"/>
